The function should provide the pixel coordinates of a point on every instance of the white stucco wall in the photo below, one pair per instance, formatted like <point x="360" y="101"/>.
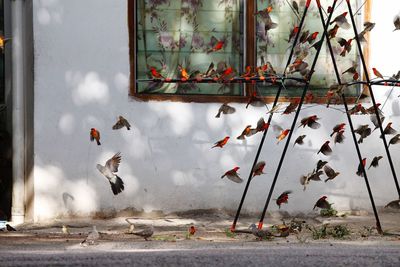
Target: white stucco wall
<point x="81" y="81"/>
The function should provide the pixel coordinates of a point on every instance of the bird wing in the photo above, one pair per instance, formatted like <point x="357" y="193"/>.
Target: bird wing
<point x="118" y="125"/>
<point x="114" y="162"/>
<point x="234" y="177"/>
<point x="259" y="165"/>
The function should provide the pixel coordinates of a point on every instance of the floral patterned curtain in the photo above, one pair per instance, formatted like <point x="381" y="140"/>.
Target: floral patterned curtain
<point x="173" y="33"/>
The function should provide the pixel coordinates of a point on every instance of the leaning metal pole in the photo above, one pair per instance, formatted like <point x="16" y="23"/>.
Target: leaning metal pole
<point x="378" y="224"/>
<point x="307" y="85"/>
<point x="373" y="98"/>
<point x="269" y="119"/>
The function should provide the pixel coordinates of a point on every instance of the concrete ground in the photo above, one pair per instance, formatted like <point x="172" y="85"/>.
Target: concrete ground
<point x="212" y="245"/>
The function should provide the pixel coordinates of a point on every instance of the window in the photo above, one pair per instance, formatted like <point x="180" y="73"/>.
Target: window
<point x="167" y="34"/>
<point x="2" y="64"/>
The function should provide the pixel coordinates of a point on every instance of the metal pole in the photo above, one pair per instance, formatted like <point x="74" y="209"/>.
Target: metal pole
<point x="373" y="99"/>
<point x="260" y="224"/>
<point x="18" y="114"/>
<point x="269" y="121"/>
<point x="378" y="224"/>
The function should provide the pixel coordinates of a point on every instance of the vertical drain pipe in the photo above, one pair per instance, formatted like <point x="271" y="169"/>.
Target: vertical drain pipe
<point x="18" y="112"/>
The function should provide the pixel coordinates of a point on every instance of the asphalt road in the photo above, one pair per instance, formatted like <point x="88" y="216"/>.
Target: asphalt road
<point x="204" y="254"/>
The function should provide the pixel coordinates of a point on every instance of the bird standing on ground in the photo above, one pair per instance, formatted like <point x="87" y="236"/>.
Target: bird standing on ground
<point x="122" y="122"/>
<point x="92" y="237"/>
<point x="109" y="170"/>
<point x="95" y="135"/>
<point x="145" y="233"/>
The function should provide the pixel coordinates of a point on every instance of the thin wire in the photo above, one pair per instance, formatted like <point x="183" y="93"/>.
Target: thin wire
<point x="361" y="7"/>
<point x="391" y="91"/>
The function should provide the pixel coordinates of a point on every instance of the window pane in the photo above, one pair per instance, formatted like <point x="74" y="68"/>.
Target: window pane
<point x="274" y="44"/>
<point x="184" y="32"/>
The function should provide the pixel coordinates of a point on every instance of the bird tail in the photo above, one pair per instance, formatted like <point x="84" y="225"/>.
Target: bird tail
<point x="98" y="142"/>
<point x="117" y="186"/>
<point x="218" y="114"/>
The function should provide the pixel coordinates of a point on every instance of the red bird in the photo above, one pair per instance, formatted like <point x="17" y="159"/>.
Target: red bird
<point x="360" y="167"/>
<point x="325" y="149"/>
<point x="95" y="135"/>
<point x="283" y="198"/>
<point x="192" y="230"/>
<point x="259" y="168"/>
<point x="155" y="74"/>
<point x="247" y="132"/>
<point x="312" y="37"/>
<point x="261" y="125"/>
<point x="337" y="128"/>
<point x="332" y="32"/>
<point x="310" y="122"/>
<point x="356" y="76"/>
<point x="218" y="46"/>
<point x="222" y="142"/>
<point x="293" y="33"/>
<point x="377" y="73"/>
<point x="283" y="134"/>
<point x="322" y="203"/>
<point x="233" y="175"/>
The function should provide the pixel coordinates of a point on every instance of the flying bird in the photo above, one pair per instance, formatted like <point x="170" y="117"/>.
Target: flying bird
<point x="145" y="233"/>
<point x="291" y="107"/>
<point x="320" y="164"/>
<point x="261" y="125"/>
<point x="396" y="23"/>
<point x="357" y="109"/>
<point x="361" y="167"/>
<point x="325" y="149"/>
<point x="364" y="131"/>
<point x="247" y="132"/>
<point x="122" y="122"/>
<point x="259" y="168"/>
<point x="95" y="135"/>
<point x="282" y="135"/>
<point x="295" y="7"/>
<point x="395" y="204"/>
<point x="109" y="170"/>
<point x="322" y="203"/>
<point x="339" y="137"/>
<point x="346" y="46"/>
<point x="233" y="175"/>
<point x="394" y="140"/>
<point x="338" y="128"/>
<point x="313" y="176"/>
<point x="332" y="32"/>
<point x="311" y="122"/>
<point x="299" y="140"/>
<point x="374" y="120"/>
<point x="221" y="143"/>
<point x="283" y="198"/>
<point x="341" y="21"/>
<point x="92" y="237"/>
<point x="375" y="162"/>
<point x="225" y="109"/>
<point x="330" y="173"/>
<point x="389" y="130"/>
<point x="255" y="100"/>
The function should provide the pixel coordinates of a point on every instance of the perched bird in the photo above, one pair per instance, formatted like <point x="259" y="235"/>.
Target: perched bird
<point x="395" y="204"/>
<point x="259" y="168"/>
<point x="377" y="73"/>
<point x="375" y="162"/>
<point x="338" y="128"/>
<point x="320" y="165"/>
<point x="222" y="142"/>
<point x="3" y="41"/>
<point x="394" y="140"/>
<point x="311" y="122"/>
<point x="145" y="233"/>
<point x="291" y="107"/>
<point x="122" y="122"/>
<point x="183" y="73"/>
<point x="322" y="203"/>
<point x="92" y="237"/>
<point x="155" y="74"/>
<point x="325" y="149"/>
<point x="225" y="109"/>
<point x="330" y="173"/>
<point x="283" y="198"/>
<point x="341" y="21"/>
<point x="364" y="131"/>
<point x="233" y="175"/>
<point x="247" y="132"/>
<point x="361" y="167"/>
<point x="396" y="23"/>
<point x="389" y="130"/>
<point x="248" y="73"/>
<point x="299" y="140"/>
<point x="339" y="137"/>
<point x="109" y="170"/>
<point x="95" y="135"/>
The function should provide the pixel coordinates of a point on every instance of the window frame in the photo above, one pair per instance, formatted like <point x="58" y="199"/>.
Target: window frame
<point x="249" y="60"/>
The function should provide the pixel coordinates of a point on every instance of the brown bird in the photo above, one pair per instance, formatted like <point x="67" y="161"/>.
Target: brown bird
<point x="339" y="138"/>
<point x="374" y="120"/>
<point x="259" y="168"/>
<point x="395" y="204"/>
<point x="299" y="140"/>
<point x="233" y="175"/>
<point x="364" y="131"/>
<point x="283" y="198"/>
<point x="325" y="149"/>
<point x="322" y="203"/>
<point x="221" y="143"/>
<point x="311" y="122"/>
<point x="261" y="125"/>
<point x="389" y="130"/>
<point x="396" y="23"/>
<point x="248" y="131"/>
<point x="95" y="135"/>
<point x="320" y="164"/>
<point x="109" y="170"/>
<point x="357" y="109"/>
<point x="341" y="21"/>
<point x="352" y="69"/>
<point x="291" y="107"/>
<point x="330" y="173"/>
<point x="332" y="32"/>
<point x="225" y="109"/>
<point x="122" y="122"/>
<point x="377" y="73"/>
<point x="375" y="162"/>
<point x="346" y="46"/>
<point x="255" y="100"/>
<point x="314" y="176"/>
<point x="394" y="140"/>
<point x="361" y="167"/>
<point x="371" y="110"/>
<point x="338" y="128"/>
